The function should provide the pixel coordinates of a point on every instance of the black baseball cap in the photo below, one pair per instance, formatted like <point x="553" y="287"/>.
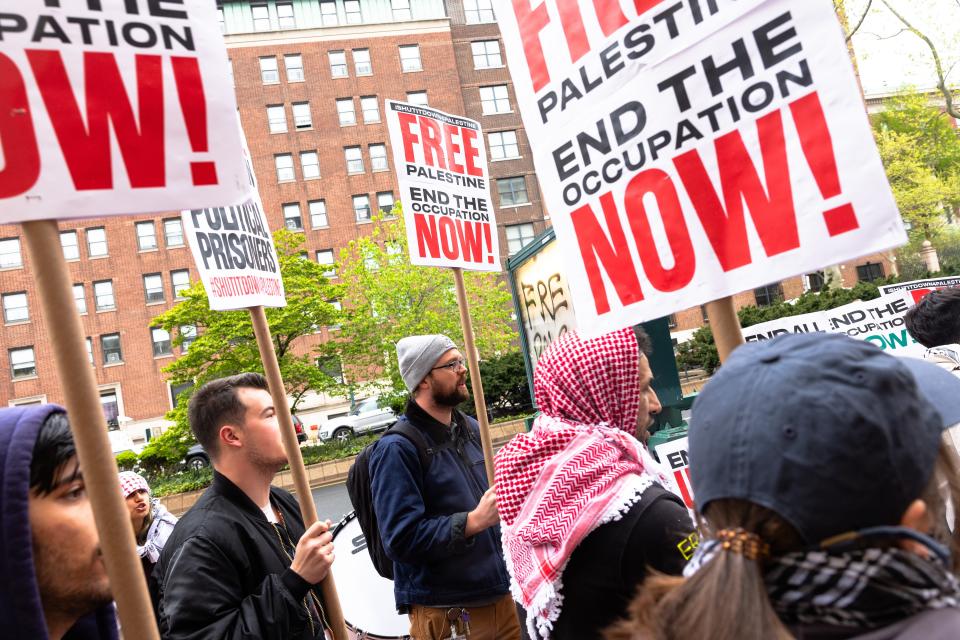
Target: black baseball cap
<point x="831" y="433"/>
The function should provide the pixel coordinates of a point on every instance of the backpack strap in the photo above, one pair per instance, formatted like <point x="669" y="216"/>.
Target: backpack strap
<point x="425" y="450"/>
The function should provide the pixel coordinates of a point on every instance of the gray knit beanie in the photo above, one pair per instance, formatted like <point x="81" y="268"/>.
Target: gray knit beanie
<point x="418" y="354"/>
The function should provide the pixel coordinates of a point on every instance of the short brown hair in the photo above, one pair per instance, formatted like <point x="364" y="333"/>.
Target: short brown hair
<point x="216" y="403"/>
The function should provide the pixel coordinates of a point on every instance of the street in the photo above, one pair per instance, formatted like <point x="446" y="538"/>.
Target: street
<point x="332" y="502"/>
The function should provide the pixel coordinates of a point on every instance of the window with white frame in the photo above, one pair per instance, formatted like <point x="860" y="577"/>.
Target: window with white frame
<point x="69" y="244"/>
<point x="110" y="348"/>
<point x="494" y="99"/>
<point x="293" y="63"/>
<point x="268" y="70"/>
<point x="486" y="54"/>
<point x="285" y="17"/>
<point x="277" y="118"/>
<point x="301" y="115"/>
<point x="328" y="14"/>
<point x="331" y="366"/>
<point x="401" y="9"/>
<point x="180" y="280"/>
<point x="15" y="308"/>
<point x="80" y="298"/>
<point x="153" y="287"/>
<point x="291" y="216"/>
<point x="417" y="98"/>
<point x="173" y="232"/>
<point x="512" y="191"/>
<point x="161" y="342"/>
<point x="338" y="307"/>
<point x="89" y="350"/>
<point x="110" y="402"/>
<point x="318" y="214"/>
<point x="189" y="334"/>
<point x="354" y="156"/>
<point x="378" y="157"/>
<point x="310" y="164"/>
<point x="351" y="8"/>
<point x="10" y="253"/>
<point x="261" y="17"/>
<point x="385" y="202"/>
<point x="370" y="107"/>
<point x="410" y="58"/>
<point x="338" y="64"/>
<point x="361" y="208"/>
<point x="478" y="11"/>
<point x="503" y="145"/>
<point x="221" y="20"/>
<point x="103" y="299"/>
<point x="23" y="363"/>
<point x="284" y="164"/>
<point x="361" y="62"/>
<point x="325" y="258"/>
<point x="345" y="112"/>
<point x="96" y="242"/>
<point x="518" y="236"/>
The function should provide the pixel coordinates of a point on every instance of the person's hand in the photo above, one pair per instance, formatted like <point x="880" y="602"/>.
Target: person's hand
<point x="485" y="515"/>
<point x="314" y="553"/>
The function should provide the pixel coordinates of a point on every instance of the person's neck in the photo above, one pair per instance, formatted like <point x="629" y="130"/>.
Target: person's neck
<point x="58" y="622"/>
<point x="438" y="412"/>
<point x="253" y="480"/>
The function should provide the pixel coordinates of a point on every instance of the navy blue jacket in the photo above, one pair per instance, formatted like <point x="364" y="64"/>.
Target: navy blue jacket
<point x="422" y="516"/>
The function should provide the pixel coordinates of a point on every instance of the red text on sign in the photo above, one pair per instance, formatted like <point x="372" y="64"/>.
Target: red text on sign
<point x="454" y="239"/>
<point x="441" y="144"/>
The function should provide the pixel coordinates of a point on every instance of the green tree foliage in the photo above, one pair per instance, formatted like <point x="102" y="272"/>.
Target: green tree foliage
<point x="225" y="344"/>
<point x="505" y="386"/>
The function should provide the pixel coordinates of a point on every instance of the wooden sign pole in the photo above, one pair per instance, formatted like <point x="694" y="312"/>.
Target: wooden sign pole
<point x="271" y="368"/>
<point x="475" y="383"/>
<point x="89" y="429"/>
<point x="725" y="326"/>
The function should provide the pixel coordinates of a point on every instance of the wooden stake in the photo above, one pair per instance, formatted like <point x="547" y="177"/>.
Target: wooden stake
<point x="725" y="326"/>
<point x="328" y="589"/>
<point x="475" y="383"/>
<point x="89" y="429"/>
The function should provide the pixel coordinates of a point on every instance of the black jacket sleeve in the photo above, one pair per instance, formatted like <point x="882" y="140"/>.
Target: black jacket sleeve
<point x="659" y="539"/>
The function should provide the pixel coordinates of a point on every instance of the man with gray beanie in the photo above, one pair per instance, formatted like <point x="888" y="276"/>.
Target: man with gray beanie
<point x="437" y="517"/>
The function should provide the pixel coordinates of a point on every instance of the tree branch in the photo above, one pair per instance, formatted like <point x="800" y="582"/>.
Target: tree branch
<point x="862" y="18"/>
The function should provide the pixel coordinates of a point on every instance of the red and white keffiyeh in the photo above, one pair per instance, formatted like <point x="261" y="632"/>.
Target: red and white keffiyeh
<point x="579" y="467"/>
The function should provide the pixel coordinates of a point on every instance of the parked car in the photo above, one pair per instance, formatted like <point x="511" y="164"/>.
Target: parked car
<point x="367" y="416"/>
<point x="197" y="458"/>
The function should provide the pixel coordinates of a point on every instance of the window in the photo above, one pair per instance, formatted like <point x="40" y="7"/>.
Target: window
<point x="401" y="9"/>
<point x="301" y="115"/>
<point x="338" y="307"/>
<point x="354" y="158"/>
<point x="284" y="163"/>
<point x="768" y="295"/>
<point x="476" y="11"/>
<point x="70" y="245"/>
<point x="111" y="408"/>
<point x="23" y="364"/>
<point x="361" y="208"/>
<point x="189" y="334"/>
<point x="277" y="118"/>
<point x="261" y="17"/>
<point x="338" y="64"/>
<point x="494" y="99"/>
<point x="291" y="216"/>
<point x="285" y="16"/>
<point x="518" y="235"/>
<point x="15" y="307"/>
<point x="410" y="58"/>
<point x="173" y="232"/>
<point x="328" y="14"/>
<point x="268" y="70"/>
<point x="176" y="390"/>
<point x="815" y="280"/>
<point x="385" y="202"/>
<point x="325" y="258"/>
<point x="110" y="346"/>
<point x="513" y="191"/>
<point x="869" y="272"/>
<point x="345" y="112"/>
<point x="309" y="164"/>
<point x="180" y="280"/>
<point x="103" y="295"/>
<point x="378" y="157"/>
<point x="146" y="236"/>
<point x="10" y="253"/>
<point x="370" y="107"/>
<point x="486" y="54"/>
<point x="417" y="98"/>
<point x="331" y="366"/>
<point x="89" y="350"/>
<point x="293" y="63"/>
<point x="80" y="298"/>
<point x="161" y="342"/>
<point x="352" y="9"/>
<point x="318" y="213"/>
<point x="220" y="19"/>
<point x="361" y="62"/>
<point x="503" y="145"/>
<point x="153" y="287"/>
<point x="96" y="242"/>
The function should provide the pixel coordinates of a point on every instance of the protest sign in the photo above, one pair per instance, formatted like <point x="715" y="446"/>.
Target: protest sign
<point x="441" y="165"/>
<point x="688" y="151"/>
<point x="546" y="307"/>
<point x="675" y="463"/>
<point x="920" y="288"/>
<point x="113" y="108"/>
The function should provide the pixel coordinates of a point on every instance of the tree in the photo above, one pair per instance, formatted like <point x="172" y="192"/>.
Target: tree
<point x="225" y="345"/>
<point x="388" y="298"/>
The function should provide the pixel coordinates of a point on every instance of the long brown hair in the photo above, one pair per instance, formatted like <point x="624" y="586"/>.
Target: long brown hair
<point x="726" y="599"/>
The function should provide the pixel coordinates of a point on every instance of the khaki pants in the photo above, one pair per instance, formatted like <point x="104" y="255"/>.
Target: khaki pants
<point x="497" y="621"/>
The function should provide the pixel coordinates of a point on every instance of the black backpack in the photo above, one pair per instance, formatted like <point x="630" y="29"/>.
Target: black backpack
<point x="361" y="495"/>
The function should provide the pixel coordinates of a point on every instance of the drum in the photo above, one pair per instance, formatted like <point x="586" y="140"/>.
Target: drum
<point x="366" y="597"/>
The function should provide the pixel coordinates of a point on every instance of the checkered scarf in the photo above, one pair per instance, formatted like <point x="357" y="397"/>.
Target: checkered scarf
<point x="579" y="467"/>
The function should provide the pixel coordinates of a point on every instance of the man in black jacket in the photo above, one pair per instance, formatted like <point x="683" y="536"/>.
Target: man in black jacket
<point x="239" y="563"/>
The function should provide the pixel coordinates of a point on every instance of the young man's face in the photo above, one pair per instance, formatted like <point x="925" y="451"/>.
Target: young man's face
<point x="66" y="548"/>
<point x="138" y="503"/>
<point x="261" y="429"/>
<point x="649" y="403"/>
<point x="448" y="379"/>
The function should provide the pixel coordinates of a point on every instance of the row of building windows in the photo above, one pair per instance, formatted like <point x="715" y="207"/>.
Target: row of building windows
<point x="317" y="211"/>
<point x="310" y="162"/>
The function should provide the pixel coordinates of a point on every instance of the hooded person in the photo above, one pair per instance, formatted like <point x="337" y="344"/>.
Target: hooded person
<point x="152" y="523"/>
<point x="53" y="583"/>
<point x="582" y="504"/>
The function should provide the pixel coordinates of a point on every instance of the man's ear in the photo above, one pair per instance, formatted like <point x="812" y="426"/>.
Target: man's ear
<point x="916" y="517"/>
<point x="230" y="436"/>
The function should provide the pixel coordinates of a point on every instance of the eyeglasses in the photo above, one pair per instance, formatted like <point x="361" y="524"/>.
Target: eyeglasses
<point x="453" y="365"/>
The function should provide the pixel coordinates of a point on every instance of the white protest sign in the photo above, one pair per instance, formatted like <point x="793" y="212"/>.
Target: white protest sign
<point x="674" y="460"/>
<point x="688" y="151"/>
<point x="114" y="107"/>
<point x="546" y="307"/>
<point x="441" y="166"/>
<point x="920" y="288"/>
